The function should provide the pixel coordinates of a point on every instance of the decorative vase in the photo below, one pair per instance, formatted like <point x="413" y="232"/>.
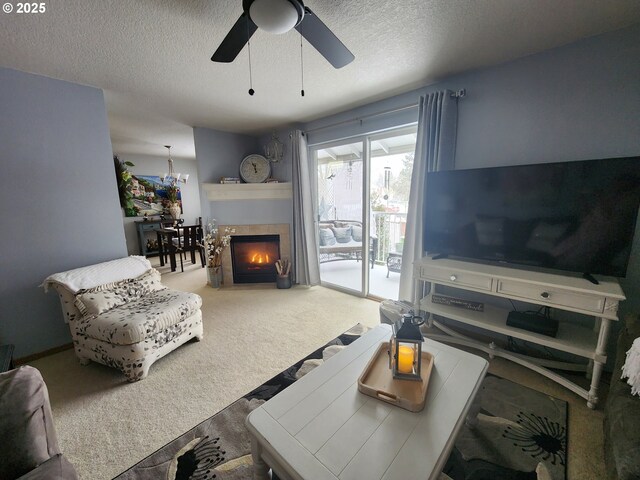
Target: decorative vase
<point x="174" y="210"/>
<point x="283" y="281"/>
<point x="214" y="276"/>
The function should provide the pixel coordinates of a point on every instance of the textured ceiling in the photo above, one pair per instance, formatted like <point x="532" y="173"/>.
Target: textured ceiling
<point x="151" y="57"/>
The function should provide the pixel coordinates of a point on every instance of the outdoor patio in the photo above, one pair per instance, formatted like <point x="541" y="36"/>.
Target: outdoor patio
<point x="348" y="274"/>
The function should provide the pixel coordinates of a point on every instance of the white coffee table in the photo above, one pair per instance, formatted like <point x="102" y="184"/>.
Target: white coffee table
<point x="322" y="427"/>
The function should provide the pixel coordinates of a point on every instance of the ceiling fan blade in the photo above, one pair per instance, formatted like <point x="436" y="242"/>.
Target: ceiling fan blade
<point x="323" y="40"/>
<point x="235" y="40"/>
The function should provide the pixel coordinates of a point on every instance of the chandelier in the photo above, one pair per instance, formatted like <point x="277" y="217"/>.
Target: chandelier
<point x="173" y="177"/>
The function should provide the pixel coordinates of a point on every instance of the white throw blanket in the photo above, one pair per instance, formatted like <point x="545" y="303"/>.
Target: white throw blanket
<point x="99" y="274"/>
<point x="631" y="367"/>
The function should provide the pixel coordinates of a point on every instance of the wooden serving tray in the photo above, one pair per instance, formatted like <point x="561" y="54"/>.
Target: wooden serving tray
<point x="376" y="381"/>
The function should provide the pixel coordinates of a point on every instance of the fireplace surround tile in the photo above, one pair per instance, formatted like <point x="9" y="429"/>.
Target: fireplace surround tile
<point x="282" y="229"/>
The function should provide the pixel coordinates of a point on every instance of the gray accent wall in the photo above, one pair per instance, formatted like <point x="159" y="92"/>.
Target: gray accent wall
<point x="219" y="155"/>
<point x="59" y="200"/>
<point x="575" y="102"/>
<point x="156" y="165"/>
<point x="579" y="101"/>
<point x="282" y="170"/>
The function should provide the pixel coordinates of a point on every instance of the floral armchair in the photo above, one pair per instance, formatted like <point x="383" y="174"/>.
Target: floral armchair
<point x="120" y="314"/>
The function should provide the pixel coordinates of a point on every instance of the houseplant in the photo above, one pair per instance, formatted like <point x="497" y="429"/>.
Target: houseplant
<point x="124" y="186"/>
<point x="172" y="203"/>
<point x="215" y="242"/>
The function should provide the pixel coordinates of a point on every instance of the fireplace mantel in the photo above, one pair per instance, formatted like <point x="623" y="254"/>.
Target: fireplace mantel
<point x="247" y="191"/>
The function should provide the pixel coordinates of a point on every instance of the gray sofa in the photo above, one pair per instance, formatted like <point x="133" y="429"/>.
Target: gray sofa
<point x="26" y="423"/>
<point x="342" y="240"/>
<point x="622" y="414"/>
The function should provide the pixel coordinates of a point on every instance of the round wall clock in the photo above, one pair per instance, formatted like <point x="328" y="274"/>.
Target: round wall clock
<point x="255" y="169"/>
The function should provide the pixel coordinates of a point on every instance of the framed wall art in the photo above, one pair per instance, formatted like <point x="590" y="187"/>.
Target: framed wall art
<point x="149" y="194"/>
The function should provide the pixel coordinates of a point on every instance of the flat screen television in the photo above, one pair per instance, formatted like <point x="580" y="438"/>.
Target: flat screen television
<point x="577" y="216"/>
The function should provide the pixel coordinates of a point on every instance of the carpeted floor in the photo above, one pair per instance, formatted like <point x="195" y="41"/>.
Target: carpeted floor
<point x="520" y="434"/>
<point x="220" y="446"/>
<point x="106" y="425"/>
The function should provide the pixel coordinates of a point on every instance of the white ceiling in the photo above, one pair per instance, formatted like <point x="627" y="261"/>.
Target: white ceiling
<point x="151" y="57"/>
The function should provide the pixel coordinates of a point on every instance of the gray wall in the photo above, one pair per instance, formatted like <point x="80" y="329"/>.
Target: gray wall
<point x="281" y="170"/>
<point x="156" y="165"/>
<point x="219" y="155"/>
<point x="580" y="101"/>
<point x="59" y="200"/>
<point x="577" y="102"/>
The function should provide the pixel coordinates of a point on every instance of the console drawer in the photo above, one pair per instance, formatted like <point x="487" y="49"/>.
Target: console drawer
<point x="150" y="227"/>
<point x="551" y="296"/>
<point x="456" y="278"/>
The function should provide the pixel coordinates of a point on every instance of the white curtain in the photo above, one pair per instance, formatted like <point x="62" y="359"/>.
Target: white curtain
<point x="435" y="150"/>
<point x="306" y="268"/>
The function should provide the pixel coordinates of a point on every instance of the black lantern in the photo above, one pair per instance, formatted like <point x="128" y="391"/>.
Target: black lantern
<point x="405" y="348"/>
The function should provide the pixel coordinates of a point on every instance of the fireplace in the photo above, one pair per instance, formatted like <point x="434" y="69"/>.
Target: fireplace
<point x="253" y="258"/>
<point x="281" y="230"/>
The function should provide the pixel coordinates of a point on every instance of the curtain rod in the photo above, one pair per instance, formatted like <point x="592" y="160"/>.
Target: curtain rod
<point x="459" y="94"/>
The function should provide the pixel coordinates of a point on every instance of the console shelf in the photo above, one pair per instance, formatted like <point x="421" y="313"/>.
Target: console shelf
<point x="562" y="292"/>
<point x="570" y="338"/>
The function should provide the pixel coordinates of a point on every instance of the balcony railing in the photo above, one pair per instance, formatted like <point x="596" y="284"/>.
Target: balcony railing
<point x="389" y="228"/>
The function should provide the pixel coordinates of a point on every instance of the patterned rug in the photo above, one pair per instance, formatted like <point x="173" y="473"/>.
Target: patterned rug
<point x="520" y="434"/>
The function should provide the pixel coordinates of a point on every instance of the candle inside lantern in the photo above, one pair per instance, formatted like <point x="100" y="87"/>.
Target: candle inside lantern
<point x="405" y="359"/>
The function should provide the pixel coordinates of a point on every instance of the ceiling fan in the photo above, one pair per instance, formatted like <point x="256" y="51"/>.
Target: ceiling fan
<point x="280" y="16"/>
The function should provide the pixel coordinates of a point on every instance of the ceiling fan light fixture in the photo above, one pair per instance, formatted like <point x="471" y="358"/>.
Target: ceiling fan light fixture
<point x="274" y="16"/>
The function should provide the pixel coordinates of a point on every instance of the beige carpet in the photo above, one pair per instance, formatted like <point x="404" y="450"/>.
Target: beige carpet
<point x="105" y="425"/>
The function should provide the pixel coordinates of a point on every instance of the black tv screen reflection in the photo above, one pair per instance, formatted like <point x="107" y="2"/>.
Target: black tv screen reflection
<point x="575" y="216"/>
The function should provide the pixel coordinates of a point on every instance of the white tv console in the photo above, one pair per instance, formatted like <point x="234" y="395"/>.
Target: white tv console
<point x="557" y="291"/>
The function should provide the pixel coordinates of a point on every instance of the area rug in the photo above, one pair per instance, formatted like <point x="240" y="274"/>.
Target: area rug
<point x="519" y="434"/>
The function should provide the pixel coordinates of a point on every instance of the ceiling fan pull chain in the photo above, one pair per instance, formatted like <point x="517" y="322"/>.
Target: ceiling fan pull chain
<point x="301" y="67"/>
<point x="251" y="90"/>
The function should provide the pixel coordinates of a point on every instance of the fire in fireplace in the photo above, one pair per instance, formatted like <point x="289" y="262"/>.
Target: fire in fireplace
<point x="253" y="258"/>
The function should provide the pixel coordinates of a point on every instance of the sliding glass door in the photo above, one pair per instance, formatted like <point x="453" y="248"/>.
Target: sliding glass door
<point x="363" y="189"/>
<point x="340" y="214"/>
<point x="391" y="166"/>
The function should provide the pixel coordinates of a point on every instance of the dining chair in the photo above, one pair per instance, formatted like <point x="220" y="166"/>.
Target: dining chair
<point x="190" y="241"/>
